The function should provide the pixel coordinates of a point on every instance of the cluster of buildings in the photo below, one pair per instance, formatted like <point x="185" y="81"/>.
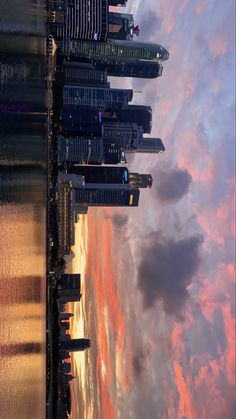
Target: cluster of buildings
<point x="99" y="126"/>
<point x="69" y="290"/>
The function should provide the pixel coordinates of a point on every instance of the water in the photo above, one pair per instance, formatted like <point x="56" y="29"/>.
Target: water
<point x="23" y="181"/>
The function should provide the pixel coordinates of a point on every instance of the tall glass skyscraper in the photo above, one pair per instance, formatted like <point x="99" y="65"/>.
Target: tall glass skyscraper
<point x="117" y="49"/>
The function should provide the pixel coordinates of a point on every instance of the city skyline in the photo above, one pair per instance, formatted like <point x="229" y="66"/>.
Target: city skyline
<point x="187" y="118"/>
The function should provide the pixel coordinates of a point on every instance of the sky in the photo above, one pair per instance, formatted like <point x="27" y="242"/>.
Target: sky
<point x="159" y="280"/>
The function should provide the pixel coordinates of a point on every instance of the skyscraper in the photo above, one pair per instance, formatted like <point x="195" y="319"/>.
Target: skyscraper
<point x="124" y="134"/>
<point x="75" y="74"/>
<point x="92" y="150"/>
<point x="130" y="68"/>
<point x="148" y="145"/>
<point x="138" y="114"/>
<point x="99" y="98"/>
<point x="110" y="195"/>
<point x="121" y="26"/>
<point x="111" y="175"/>
<point x="85" y="20"/>
<point x="114" y="50"/>
<point x="81" y="122"/>
<point x="102" y="175"/>
<point x="73" y="345"/>
<point x="70" y="282"/>
<point x="137" y="180"/>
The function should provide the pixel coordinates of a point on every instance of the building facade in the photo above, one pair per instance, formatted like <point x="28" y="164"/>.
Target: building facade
<point x="87" y="20"/>
<point x="110" y="196"/>
<point x="115" y="49"/>
<point x="99" y="98"/>
<point x="82" y="122"/>
<point x="121" y="26"/>
<point x="77" y="75"/>
<point x="80" y="150"/>
<point x="129" y="68"/>
<point x="123" y="134"/>
<point x="135" y="114"/>
<point x="102" y="175"/>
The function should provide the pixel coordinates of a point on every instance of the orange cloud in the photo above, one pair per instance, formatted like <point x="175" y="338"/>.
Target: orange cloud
<point x="110" y="322"/>
<point x="185" y="398"/>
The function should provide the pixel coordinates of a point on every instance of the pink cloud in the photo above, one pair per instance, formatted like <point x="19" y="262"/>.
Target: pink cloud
<point x="218" y="46"/>
<point x="201" y="7"/>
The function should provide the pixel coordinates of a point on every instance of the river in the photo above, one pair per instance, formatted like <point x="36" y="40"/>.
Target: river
<point x="23" y="186"/>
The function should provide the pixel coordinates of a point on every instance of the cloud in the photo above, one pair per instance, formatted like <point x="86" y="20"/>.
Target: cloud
<point x="119" y="220"/>
<point x="139" y="361"/>
<point x="149" y="22"/>
<point x="166" y="270"/>
<point x="172" y="184"/>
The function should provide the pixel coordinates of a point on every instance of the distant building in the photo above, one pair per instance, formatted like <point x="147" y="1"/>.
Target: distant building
<point x="65" y="316"/>
<point x="70" y="281"/>
<point x="70" y="290"/>
<point x="75" y="345"/>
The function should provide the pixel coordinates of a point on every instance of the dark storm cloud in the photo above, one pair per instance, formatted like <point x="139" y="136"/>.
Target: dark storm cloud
<point x="172" y="184"/>
<point x="119" y="220"/>
<point x="139" y="361"/>
<point x="166" y="269"/>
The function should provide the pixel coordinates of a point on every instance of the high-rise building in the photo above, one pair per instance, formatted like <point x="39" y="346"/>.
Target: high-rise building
<point x="80" y="150"/>
<point x="138" y="114"/>
<point x="92" y="150"/>
<point x="85" y="20"/>
<point x="110" y="196"/>
<point x="115" y="49"/>
<point x="70" y="282"/>
<point x="121" y="26"/>
<point x="117" y="3"/>
<point x="81" y="122"/>
<point x="99" y="98"/>
<point x="101" y="175"/>
<point x="72" y="345"/>
<point x="111" y="175"/>
<point x="82" y="76"/>
<point x="124" y="134"/>
<point x="137" y="180"/>
<point x="130" y="68"/>
<point x="148" y="145"/>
